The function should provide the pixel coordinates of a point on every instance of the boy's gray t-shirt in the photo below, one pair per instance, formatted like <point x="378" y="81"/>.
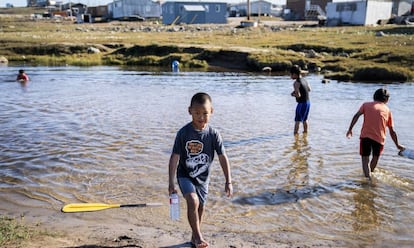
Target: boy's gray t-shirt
<point x="196" y="150"/>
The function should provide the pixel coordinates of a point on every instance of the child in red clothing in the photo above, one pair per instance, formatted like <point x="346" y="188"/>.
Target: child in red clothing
<point x="377" y="117"/>
<point x="22" y="76"/>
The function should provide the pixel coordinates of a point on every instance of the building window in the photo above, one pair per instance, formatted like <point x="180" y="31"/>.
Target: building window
<point x="346" y="7"/>
<point x="217" y="8"/>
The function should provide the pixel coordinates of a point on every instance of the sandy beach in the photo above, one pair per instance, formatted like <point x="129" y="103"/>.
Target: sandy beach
<point x="137" y="227"/>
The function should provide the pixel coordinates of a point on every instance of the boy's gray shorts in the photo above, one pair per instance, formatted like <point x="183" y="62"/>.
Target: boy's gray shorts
<point x="188" y="186"/>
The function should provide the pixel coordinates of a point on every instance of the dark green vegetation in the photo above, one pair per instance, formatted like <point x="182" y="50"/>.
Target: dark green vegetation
<point x="15" y="233"/>
<point x="12" y="233"/>
<point x="383" y="53"/>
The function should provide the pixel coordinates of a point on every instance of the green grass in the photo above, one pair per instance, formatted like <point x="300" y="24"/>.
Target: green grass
<point x="12" y="233"/>
<point x="343" y="52"/>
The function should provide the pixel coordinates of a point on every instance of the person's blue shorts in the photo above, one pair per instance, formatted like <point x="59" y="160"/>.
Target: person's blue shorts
<point x="188" y="186"/>
<point x="302" y="111"/>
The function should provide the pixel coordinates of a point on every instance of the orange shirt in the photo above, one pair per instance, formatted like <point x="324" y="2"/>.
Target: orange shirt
<point x="377" y="116"/>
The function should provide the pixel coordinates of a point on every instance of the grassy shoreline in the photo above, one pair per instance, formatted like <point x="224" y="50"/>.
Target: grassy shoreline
<point x="16" y="231"/>
<point x="382" y="53"/>
<point x="13" y="232"/>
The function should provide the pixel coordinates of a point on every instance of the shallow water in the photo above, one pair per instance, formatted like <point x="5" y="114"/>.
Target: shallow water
<point x="104" y="134"/>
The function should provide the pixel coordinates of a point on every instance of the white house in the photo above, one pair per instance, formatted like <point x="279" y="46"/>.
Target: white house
<point x="257" y="8"/>
<point x="119" y="9"/>
<point x="359" y="12"/>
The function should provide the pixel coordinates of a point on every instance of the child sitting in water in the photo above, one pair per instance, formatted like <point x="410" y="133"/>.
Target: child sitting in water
<point x="22" y="76"/>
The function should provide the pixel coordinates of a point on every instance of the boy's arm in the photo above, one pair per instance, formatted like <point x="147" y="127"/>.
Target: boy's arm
<point x="394" y="138"/>
<point x="172" y="170"/>
<point x="225" y="165"/>
<point x="296" y="91"/>
<point x="354" y="120"/>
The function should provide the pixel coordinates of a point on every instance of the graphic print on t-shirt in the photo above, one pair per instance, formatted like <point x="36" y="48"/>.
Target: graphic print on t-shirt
<point x="197" y="162"/>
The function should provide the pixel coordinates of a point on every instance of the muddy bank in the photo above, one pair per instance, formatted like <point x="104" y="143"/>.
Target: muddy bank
<point x="205" y="58"/>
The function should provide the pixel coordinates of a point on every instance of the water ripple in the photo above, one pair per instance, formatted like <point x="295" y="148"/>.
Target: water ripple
<point x="105" y="134"/>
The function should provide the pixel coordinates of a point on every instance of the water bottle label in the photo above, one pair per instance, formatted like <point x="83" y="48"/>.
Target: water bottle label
<point x="174" y="207"/>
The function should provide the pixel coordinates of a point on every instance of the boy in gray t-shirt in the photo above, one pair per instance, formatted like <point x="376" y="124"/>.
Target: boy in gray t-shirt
<point x="191" y="159"/>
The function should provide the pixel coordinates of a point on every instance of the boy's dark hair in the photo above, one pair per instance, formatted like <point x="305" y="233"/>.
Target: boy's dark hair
<point x="21" y="71"/>
<point x="381" y="95"/>
<point x="200" y="98"/>
<point x="295" y="69"/>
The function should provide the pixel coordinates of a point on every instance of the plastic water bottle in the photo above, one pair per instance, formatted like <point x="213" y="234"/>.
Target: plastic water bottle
<point x="175" y="66"/>
<point x="407" y="153"/>
<point x="174" y="207"/>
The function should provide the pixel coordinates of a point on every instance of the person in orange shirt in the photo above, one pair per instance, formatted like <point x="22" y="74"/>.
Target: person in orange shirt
<point x="377" y="117"/>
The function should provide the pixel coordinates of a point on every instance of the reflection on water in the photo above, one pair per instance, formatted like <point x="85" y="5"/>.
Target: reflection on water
<point x="299" y="175"/>
<point x="365" y="213"/>
<point x="104" y="134"/>
<point x="24" y="84"/>
<point x="281" y="196"/>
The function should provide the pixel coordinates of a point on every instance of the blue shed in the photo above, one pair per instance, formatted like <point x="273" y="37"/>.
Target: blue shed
<point x="194" y="12"/>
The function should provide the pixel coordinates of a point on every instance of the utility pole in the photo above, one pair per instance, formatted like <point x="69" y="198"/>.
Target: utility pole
<point x="248" y="10"/>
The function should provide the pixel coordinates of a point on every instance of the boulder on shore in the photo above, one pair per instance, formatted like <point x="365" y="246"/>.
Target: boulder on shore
<point x="3" y="60"/>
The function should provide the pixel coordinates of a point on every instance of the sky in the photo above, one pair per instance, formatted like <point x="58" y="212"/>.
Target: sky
<point x="23" y="3"/>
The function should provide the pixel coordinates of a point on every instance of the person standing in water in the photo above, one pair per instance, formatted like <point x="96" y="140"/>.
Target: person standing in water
<point x="377" y="117"/>
<point x="301" y="89"/>
<point x="190" y="162"/>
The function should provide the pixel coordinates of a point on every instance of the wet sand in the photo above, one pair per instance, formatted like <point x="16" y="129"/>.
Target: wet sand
<point x="121" y="227"/>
